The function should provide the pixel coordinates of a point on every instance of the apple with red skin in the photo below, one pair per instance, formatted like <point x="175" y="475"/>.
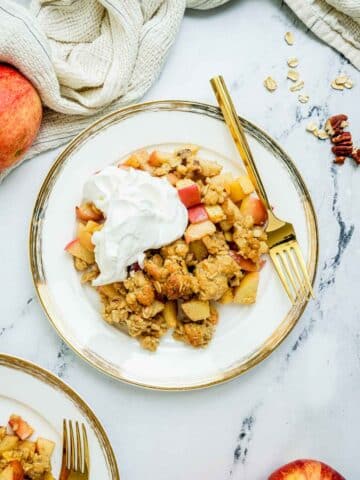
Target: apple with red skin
<point x="306" y="470"/>
<point x="86" y="212"/>
<point x="197" y="214"/>
<point x="79" y="251"/>
<point x="253" y="206"/>
<point x="190" y="195"/>
<point x="245" y="263"/>
<point x="21" y="428"/>
<point x="20" y="115"/>
<point x="13" y="471"/>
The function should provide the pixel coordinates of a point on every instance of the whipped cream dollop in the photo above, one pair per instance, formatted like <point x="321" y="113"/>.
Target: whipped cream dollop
<point x="141" y="212"/>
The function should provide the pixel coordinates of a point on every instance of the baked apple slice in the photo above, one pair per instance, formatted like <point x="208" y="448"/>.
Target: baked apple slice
<point x="137" y="159"/>
<point x="45" y="447"/>
<point x="77" y="250"/>
<point x="21" y="428"/>
<point x="85" y="233"/>
<point x="246" y="292"/>
<point x="196" y="231"/>
<point x="157" y="158"/>
<point x="216" y="213"/>
<point x="253" y="206"/>
<point x="198" y="249"/>
<point x="245" y="264"/>
<point x="196" y="310"/>
<point x="13" y="471"/>
<point x="240" y="188"/>
<point x="84" y="237"/>
<point x="228" y="297"/>
<point x="170" y="313"/>
<point x="9" y="442"/>
<point x="172" y="178"/>
<point x="197" y="214"/>
<point x="87" y="212"/>
<point x="189" y="194"/>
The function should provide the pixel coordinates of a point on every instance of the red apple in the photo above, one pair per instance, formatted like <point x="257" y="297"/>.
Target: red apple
<point x="245" y="263"/>
<point x="190" y="195"/>
<point x="197" y="214"/>
<point x="20" y="115"/>
<point x="306" y="470"/>
<point x="18" y="471"/>
<point x="21" y="428"/>
<point x="13" y="471"/>
<point x="87" y="212"/>
<point x="77" y="250"/>
<point x="254" y="207"/>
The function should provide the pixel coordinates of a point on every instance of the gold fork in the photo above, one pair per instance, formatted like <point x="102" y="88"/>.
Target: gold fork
<point x="75" y="456"/>
<point x="283" y="246"/>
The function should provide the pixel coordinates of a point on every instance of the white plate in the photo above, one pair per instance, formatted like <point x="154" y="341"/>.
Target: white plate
<point x="43" y="400"/>
<point x="245" y="335"/>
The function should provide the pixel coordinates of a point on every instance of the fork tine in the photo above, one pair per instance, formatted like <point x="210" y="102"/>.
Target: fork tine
<point x="298" y="275"/>
<point x="86" y="450"/>
<point x="300" y="259"/>
<point x="282" y="277"/>
<point x="79" y="449"/>
<point x="72" y="447"/>
<point x="283" y="258"/>
<point x="65" y="445"/>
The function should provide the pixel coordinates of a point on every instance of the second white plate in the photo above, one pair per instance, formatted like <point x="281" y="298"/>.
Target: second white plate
<point x="44" y="401"/>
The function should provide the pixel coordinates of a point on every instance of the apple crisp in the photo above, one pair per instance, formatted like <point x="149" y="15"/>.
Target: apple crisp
<point x="22" y="458"/>
<point x="218" y="259"/>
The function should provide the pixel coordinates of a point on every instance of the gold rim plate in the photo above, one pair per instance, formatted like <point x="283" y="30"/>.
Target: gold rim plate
<point x="44" y="376"/>
<point x="35" y="245"/>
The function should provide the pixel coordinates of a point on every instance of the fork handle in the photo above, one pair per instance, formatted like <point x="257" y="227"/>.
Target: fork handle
<point x="237" y="132"/>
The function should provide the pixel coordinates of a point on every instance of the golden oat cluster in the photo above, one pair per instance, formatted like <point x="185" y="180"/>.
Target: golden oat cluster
<point x="217" y="260"/>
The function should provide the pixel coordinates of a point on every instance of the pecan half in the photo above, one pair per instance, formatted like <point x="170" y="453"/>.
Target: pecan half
<point x="342" y="150"/>
<point x="342" y="138"/>
<point x="356" y="155"/>
<point x="339" y="160"/>
<point x="335" y="124"/>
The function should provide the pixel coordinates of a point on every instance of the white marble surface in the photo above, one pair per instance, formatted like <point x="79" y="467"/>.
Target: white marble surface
<point x="304" y="400"/>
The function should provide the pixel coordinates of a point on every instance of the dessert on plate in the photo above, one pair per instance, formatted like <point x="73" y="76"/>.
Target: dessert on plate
<point x="163" y="237"/>
<point x="21" y="457"/>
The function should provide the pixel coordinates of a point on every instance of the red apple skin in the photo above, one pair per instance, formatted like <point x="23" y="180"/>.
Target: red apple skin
<point x="18" y="471"/>
<point x="20" y="115"/>
<point x="254" y="207"/>
<point x="21" y="428"/>
<point x="306" y="470"/>
<point x="86" y="212"/>
<point x="190" y="196"/>
<point x="70" y="244"/>
<point x="245" y="264"/>
<point x="197" y="214"/>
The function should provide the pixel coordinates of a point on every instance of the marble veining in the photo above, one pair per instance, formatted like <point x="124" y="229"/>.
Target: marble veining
<point x="303" y="400"/>
<point x="244" y="439"/>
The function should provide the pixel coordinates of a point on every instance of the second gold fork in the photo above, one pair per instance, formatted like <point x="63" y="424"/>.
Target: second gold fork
<point x="75" y="456"/>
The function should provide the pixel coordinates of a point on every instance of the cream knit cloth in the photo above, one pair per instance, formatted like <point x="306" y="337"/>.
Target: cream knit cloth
<point x="89" y="57"/>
